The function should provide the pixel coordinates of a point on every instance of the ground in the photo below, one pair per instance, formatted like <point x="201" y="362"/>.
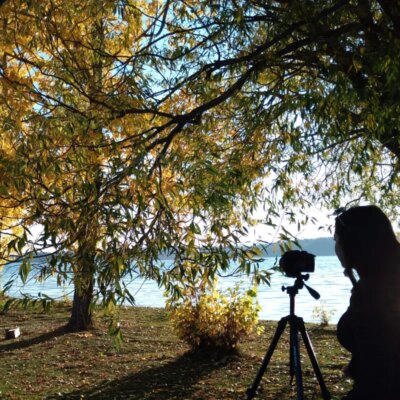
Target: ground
<point x="46" y="362"/>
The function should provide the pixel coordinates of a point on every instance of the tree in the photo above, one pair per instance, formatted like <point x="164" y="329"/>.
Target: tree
<point x="97" y="165"/>
<point x="315" y="77"/>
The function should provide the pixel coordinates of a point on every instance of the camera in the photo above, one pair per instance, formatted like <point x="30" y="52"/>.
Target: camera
<point x="295" y="262"/>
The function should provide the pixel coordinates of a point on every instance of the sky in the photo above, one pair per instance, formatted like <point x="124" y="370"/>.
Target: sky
<point x="324" y="221"/>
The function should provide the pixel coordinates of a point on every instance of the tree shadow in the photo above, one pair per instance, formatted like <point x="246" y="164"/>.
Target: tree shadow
<point x="22" y="344"/>
<point x="322" y="331"/>
<point x="175" y="380"/>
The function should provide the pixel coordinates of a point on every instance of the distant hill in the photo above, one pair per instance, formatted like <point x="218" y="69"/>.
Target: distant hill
<point x="320" y="246"/>
<point x="324" y="246"/>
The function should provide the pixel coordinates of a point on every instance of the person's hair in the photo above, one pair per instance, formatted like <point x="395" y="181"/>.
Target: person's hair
<point x="367" y="239"/>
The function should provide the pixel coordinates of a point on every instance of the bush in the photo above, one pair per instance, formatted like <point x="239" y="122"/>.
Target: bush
<point x="322" y="314"/>
<point x="211" y="319"/>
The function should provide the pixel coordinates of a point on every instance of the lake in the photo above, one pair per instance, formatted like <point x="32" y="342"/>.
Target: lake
<point x="328" y="280"/>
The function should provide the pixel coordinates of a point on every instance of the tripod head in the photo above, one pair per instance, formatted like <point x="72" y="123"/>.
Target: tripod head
<point x="294" y="263"/>
<point x="299" y="284"/>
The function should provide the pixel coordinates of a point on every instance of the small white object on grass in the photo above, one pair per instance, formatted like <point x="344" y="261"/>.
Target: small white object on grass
<point x="13" y="333"/>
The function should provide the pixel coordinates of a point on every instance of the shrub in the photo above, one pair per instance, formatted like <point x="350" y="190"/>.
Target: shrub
<point x="213" y="319"/>
<point x="322" y="314"/>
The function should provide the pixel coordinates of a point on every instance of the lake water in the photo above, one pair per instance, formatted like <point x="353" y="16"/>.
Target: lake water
<point x="328" y="280"/>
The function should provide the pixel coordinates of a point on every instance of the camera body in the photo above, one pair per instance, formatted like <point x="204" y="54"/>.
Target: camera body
<point x="295" y="262"/>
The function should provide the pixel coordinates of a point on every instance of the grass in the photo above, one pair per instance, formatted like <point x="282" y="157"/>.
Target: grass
<point x="46" y="362"/>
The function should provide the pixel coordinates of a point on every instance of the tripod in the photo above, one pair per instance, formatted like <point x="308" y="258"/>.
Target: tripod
<point x="296" y="325"/>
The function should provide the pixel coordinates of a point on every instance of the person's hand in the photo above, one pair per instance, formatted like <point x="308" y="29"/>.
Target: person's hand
<point x="346" y="371"/>
<point x="348" y="272"/>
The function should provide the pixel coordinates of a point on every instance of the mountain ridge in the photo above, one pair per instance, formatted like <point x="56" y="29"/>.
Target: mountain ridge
<point x="323" y="246"/>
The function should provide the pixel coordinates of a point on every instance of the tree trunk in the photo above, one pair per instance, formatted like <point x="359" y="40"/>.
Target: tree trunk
<point x="81" y="313"/>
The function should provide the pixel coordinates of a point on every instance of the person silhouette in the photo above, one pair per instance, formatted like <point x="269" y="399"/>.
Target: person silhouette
<point x="370" y="328"/>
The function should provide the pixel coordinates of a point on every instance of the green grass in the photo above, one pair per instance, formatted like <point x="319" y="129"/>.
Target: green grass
<point x="46" y="362"/>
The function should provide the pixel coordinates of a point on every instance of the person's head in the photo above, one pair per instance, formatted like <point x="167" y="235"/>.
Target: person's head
<point x="365" y="240"/>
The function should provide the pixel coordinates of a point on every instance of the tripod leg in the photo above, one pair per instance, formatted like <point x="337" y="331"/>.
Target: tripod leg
<point x="295" y="363"/>
<point x="307" y="342"/>
<point x="251" y="391"/>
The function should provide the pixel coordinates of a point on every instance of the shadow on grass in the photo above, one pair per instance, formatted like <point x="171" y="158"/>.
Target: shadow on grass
<point x="174" y="380"/>
<point x="6" y="346"/>
<point x="322" y="331"/>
